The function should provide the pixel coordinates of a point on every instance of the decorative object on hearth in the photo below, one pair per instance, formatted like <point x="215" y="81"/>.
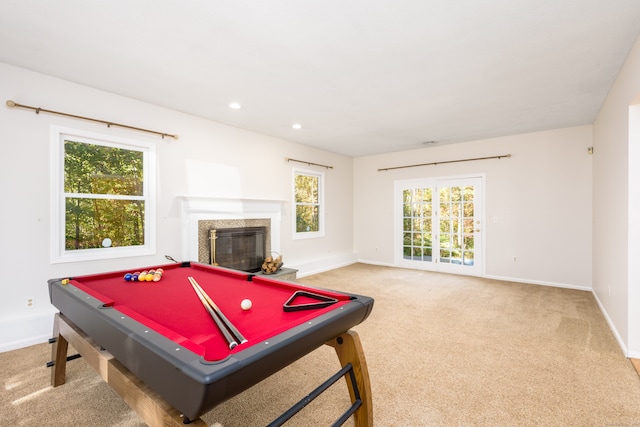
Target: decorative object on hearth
<point x="272" y="264"/>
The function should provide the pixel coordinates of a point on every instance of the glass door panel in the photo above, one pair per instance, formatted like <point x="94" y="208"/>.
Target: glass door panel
<point x="441" y="225"/>
<point x="417" y="224"/>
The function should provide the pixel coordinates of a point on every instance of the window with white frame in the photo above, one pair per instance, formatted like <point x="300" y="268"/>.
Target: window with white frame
<point x="103" y="196"/>
<point x="308" y="190"/>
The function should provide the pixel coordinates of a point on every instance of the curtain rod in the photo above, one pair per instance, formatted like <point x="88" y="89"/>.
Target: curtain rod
<point x="308" y="163"/>
<point x="446" y="161"/>
<point x="38" y="110"/>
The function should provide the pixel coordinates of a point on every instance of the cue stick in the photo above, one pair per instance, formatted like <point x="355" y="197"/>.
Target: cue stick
<point x="232" y="342"/>
<point x="222" y="317"/>
<point x="217" y="310"/>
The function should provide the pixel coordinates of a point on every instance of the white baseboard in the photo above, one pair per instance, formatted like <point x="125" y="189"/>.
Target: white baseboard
<point x="506" y="279"/>
<point x="324" y="264"/>
<point x="382" y="264"/>
<point x="613" y="328"/>
<point x="539" y="282"/>
<point x="24" y="332"/>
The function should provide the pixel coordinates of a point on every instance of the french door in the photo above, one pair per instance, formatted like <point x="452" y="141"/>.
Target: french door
<point x="439" y="224"/>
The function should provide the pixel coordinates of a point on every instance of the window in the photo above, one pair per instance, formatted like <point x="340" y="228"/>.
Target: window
<point x="103" y="196"/>
<point x="308" y="200"/>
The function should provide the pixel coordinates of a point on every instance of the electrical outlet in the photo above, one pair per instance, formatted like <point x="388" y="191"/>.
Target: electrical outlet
<point x="515" y="258"/>
<point x="30" y="302"/>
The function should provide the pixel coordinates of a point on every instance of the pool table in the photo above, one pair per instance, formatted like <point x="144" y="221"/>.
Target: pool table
<point x="162" y="332"/>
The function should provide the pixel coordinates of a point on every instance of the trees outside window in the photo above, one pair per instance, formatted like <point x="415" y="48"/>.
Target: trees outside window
<point x="439" y="223"/>
<point x="104" y="204"/>
<point x="308" y="201"/>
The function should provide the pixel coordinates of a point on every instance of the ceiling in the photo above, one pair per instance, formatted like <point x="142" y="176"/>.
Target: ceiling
<point x="362" y="77"/>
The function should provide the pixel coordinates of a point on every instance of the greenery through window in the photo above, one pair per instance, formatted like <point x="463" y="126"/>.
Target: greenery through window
<point x="417" y="208"/>
<point x="308" y="202"/>
<point x="454" y="229"/>
<point x="103" y="197"/>
<point x="456" y="225"/>
<point x="104" y="203"/>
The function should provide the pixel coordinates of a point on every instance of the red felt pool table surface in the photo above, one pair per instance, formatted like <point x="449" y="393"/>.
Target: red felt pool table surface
<point x="172" y="308"/>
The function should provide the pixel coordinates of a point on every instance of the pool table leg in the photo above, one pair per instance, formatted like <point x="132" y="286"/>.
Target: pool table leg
<point x="58" y="355"/>
<point x="154" y="410"/>
<point x="349" y="350"/>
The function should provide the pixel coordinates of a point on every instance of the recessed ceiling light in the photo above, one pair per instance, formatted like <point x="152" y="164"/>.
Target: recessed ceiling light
<point x="296" y="126"/>
<point x="235" y="105"/>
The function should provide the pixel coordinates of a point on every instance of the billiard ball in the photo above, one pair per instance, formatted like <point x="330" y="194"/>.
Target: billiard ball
<point x="128" y="276"/>
<point x="246" y="304"/>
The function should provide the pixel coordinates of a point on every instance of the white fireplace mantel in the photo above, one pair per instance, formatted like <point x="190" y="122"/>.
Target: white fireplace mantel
<point x="197" y="208"/>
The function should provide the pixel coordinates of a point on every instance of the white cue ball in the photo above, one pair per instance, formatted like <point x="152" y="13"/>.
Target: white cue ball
<point x="246" y="304"/>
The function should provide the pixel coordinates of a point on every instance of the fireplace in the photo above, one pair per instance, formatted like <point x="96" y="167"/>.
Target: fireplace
<point x="241" y="244"/>
<point x="199" y="215"/>
<point x="241" y="248"/>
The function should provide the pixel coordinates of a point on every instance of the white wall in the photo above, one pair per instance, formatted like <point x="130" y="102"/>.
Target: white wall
<point x="616" y="271"/>
<point x="209" y="159"/>
<point x="540" y="198"/>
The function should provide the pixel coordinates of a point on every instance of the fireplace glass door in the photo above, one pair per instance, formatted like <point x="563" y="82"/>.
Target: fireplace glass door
<point x="239" y="248"/>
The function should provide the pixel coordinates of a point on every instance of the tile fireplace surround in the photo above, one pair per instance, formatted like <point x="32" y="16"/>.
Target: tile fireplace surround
<point x="200" y="214"/>
<point x="204" y="227"/>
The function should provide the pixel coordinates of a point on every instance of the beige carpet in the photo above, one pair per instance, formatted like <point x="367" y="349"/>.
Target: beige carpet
<point x="442" y="350"/>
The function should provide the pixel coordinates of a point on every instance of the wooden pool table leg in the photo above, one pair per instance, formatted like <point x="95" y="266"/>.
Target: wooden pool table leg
<point x="349" y="350"/>
<point x="58" y="355"/>
<point x="154" y="410"/>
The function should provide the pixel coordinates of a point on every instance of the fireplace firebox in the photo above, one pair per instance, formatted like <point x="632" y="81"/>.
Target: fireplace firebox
<point x="242" y="248"/>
